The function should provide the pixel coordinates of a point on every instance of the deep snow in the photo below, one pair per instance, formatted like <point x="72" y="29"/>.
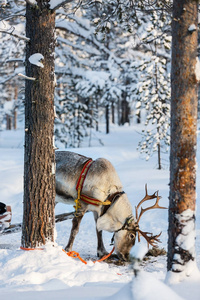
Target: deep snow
<point x="51" y="274"/>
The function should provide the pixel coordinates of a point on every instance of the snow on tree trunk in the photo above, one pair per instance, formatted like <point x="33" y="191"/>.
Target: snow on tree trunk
<point x="181" y="243"/>
<point x="39" y="163"/>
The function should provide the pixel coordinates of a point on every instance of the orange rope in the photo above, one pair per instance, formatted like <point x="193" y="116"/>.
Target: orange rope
<point x="106" y="256"/>
<point x="28" y="249"/>
<point x="75" y="254"/>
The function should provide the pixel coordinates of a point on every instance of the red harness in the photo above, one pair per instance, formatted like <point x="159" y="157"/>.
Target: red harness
<point x="83" y="174"/>
<point x="79" y="187"/>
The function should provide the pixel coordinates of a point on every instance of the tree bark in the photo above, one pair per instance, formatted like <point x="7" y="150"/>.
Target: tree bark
<point x="125" y="112"/>
<point x="159" y="157"/>
<point x="8" y="122"/>
<point x="39" y="157"/>
<point x="183" y="134"/>
<point x="113" y="112"/>
<point x="15" y="110"/>
<point x="107" y="119"/>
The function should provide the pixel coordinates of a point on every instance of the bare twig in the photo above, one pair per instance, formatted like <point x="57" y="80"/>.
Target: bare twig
<point x="22" y="37"/>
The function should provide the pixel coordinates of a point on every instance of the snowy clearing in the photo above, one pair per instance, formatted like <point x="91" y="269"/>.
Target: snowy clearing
<point x="51" y="274"/>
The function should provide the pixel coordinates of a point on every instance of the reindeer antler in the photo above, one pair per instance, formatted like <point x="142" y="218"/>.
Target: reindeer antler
<point x="152" y="239"/>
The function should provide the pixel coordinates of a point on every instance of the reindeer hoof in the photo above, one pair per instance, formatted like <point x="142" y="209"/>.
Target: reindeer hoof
<point x="68" y="249"/>
<point x="101" y="254"/>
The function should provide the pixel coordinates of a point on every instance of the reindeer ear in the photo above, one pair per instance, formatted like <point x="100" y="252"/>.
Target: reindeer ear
<point x="107" y="223"/>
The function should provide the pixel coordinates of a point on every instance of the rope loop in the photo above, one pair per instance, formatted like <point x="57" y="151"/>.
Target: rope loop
<point x="75" y="254"/>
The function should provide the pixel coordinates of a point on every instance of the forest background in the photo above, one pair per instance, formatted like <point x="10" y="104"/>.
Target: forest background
<point x="117" y="66"/>
<point x="109" y="63"/>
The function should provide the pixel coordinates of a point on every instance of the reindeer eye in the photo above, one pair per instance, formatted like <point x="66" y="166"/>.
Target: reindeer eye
<point x="132" y="236"/>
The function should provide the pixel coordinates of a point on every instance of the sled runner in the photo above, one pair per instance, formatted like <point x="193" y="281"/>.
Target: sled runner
<point x="12" y="228"/>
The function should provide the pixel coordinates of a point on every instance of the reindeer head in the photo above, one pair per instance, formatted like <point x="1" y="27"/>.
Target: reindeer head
<point x="125" y="237"/>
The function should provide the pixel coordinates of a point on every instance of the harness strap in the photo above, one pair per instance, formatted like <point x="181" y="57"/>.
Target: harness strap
<point x="83" y="174"/>
<point x="112" y="199"/>
<point x="94" y="201"/>
<point x="79" y="187"/>
<point x="80" y="182"/>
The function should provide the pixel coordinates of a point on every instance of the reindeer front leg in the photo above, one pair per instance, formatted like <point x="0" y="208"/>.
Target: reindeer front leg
<point x="101" y="251"/>
<point x="75" y="228"/>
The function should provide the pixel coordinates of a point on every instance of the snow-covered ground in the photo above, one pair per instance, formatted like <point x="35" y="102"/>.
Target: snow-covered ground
<point x="51" y="274"/>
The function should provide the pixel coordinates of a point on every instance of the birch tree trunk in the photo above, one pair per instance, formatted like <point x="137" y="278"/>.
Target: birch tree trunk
<point x="181" y="243"/>
<point x="39" y="159"/>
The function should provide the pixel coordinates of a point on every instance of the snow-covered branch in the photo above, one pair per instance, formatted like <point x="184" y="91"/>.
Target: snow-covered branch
<point x="26" y="77"/>
<point x="90" y="50"/>
<point x="56" y="4"/>
<point x="35" y="59"/>
<point x="87" y="35"/>
<point x="15" y="60"/>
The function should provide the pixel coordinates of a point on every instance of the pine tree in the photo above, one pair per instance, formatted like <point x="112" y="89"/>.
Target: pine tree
<point x="100" y="60"/>
<point x="39" y="157"/>
<point x="152" y="91"/>
<point x="12" y="44"/>
<point x="73" y="121"/>
<point x="181" y="253"/>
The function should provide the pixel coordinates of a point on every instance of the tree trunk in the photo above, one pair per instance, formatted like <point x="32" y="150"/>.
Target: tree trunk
<point x="8" y="122"/>
<point x="39" y="157"/>
<point x="138" y="118"/>
<point x="183" y="137"/>
<point x="97" y="109"/>
<point x="113" y="112"/>
<point x="15" y="119"/>
<point x="159" y="158"/>
<point x="15" y="110"/>
<point x="107" y="119"/>
<point x="119" y="112"/>
<point x="125" y="112"/>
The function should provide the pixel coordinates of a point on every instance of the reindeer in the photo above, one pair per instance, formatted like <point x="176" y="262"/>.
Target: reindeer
<point x="95" y="186"/>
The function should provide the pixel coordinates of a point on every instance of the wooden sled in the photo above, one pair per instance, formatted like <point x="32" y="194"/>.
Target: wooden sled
<point x="5" y="219"/>
<point x="12" y="228"/>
